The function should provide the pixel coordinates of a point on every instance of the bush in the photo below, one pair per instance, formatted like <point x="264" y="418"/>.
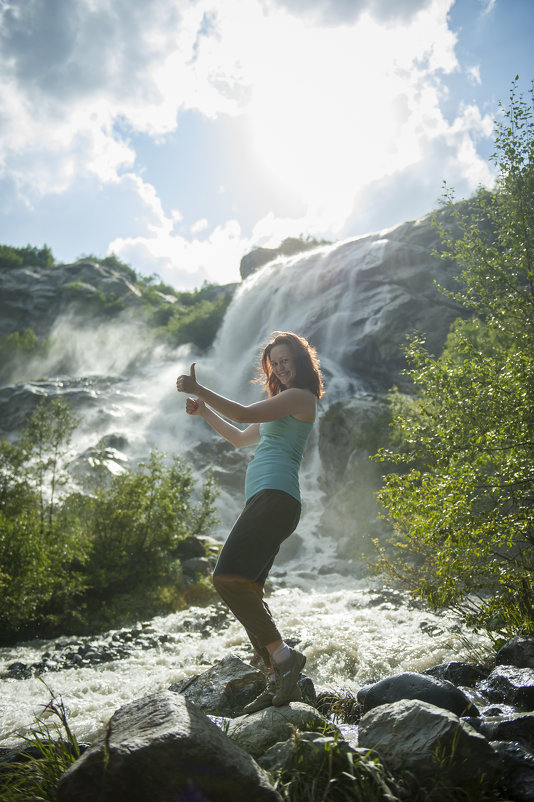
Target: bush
<point x="87" y="560"/>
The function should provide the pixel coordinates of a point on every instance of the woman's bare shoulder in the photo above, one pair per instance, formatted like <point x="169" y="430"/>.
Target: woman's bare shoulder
<point x="305" y="407"/>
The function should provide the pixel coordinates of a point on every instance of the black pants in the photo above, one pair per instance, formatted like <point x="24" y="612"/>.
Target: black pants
<point x="269" y="517"/>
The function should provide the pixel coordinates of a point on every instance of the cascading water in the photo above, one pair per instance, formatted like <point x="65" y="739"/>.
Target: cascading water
<point x="346" y="299"/>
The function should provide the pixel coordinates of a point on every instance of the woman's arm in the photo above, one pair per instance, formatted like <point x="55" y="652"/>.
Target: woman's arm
<point x="237" y="437"/>
<point x="294" y="401"/>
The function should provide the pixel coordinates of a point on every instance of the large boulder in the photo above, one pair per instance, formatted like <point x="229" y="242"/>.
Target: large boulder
<point x="430" y="742"/>
<point x="518" y="652"/>
<point x="162" y="748"/>
<point x="257" y="732"/>
<point x="225" y="688"/>
<point x="510" y="685"/>
<point x="411" y="685"/>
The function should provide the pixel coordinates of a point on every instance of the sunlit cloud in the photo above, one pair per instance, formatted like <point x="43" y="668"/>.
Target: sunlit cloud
<point x="335" y="99"/>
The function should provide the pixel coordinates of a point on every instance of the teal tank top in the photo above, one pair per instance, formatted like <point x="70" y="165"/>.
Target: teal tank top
<point x="276" y="463"/>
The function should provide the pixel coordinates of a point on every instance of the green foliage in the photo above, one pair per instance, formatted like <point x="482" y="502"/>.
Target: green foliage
<point x="135" y="525"/>
<point x="461" y="503"/>
<point x="321" y="768"/>
<point x="20" y="257"/>
<point x="85" y="560"/>
<point x="198" y="323"/>
<point x="50" y="749"/>
<point x="40" y="557"/>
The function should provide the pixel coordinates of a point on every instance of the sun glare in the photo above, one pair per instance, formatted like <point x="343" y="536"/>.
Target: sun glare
<point x="322" y="114"/>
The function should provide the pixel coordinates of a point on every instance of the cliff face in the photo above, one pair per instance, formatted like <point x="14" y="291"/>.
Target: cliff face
<point x="34" y="297"/>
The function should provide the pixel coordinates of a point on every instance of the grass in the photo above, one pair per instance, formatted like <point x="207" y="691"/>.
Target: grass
<point x="50" y="748"/>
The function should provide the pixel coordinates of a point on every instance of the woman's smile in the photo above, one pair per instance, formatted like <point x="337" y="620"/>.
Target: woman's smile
<point x="283" y="364"/>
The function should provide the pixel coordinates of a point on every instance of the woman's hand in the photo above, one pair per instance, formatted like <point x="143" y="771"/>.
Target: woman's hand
<point x="187" y="384"/>
<point x="194" y="406"/>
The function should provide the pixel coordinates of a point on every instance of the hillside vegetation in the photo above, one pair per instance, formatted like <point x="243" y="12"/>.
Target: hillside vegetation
<point x="461" y="500"/>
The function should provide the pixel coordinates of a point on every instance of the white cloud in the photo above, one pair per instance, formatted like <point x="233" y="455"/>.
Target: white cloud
<point x="473" y="73"/>
<point x="179" y="260"/>
<point x="335" y="102"/>
<point x="200" y="225"/>
<point x="488" y="6"/>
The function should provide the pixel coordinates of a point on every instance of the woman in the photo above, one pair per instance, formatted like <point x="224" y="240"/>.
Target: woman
<point x="280" y="425"/>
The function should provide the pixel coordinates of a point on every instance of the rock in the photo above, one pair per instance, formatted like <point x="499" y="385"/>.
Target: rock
<point x="162" y="748"/>
<point x="458" y="673"/>
<point x="196" y="566"/>
<point x="189" y="548"/>
<point x="517" y="766"/>
<point x="510" y="685"/>
<point x="518" y="652"/>
<point x="261" y="256"/>
<point x="518" y="728"/>
<point x="411" y="685"/>
<point x="349" y="432"/>
<point x="225" y="688"/>
<point x="257" y="732"/>
<point x="415" y="736"/>
<point x="41" y="294"/>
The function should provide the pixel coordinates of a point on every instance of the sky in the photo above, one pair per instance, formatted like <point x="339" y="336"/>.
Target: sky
<point x="180" y="134"/>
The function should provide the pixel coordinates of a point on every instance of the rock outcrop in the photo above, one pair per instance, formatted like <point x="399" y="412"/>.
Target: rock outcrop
<point x="34" y="297"/>
<point x="163" y="748"/>
<point x="415" y="736"/>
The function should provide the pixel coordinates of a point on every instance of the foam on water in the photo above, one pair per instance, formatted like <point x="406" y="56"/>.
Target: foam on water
<point x="351" y="636"/>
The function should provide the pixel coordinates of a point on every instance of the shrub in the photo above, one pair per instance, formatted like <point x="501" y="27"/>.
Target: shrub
<point x="462" y="502"/>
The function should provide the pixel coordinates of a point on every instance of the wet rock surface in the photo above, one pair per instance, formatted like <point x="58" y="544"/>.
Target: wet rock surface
<point x="413" y="735"/>
<point x="411" y="685"/>
<point x="518" y="652"/>
<point x="163" y="748"/>
<point x="511" y="686"/>
<point x="417" y="741"/>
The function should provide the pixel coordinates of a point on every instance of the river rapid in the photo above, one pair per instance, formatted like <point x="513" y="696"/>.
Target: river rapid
<point x="352" y="631"/>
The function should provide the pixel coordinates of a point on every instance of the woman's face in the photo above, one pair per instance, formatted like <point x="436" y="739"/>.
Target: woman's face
<point x="283" y="364"/>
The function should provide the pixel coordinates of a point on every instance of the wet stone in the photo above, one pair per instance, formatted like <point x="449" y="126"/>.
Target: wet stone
<point x="458" y="673"/>
<point x="513" y="686"/>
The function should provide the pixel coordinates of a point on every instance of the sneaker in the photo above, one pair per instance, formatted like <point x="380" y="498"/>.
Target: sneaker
<point x="265" y="698"/>
<point x="286" y="676"/>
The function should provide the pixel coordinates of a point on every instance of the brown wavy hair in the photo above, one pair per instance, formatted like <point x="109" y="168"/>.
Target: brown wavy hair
<point x="308" y="373"/>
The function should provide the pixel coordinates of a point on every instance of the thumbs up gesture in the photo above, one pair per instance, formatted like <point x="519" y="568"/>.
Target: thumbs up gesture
<point x="187" y="383"/>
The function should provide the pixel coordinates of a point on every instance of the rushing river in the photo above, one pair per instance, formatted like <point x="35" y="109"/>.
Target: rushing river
<point x="351" y="636"/>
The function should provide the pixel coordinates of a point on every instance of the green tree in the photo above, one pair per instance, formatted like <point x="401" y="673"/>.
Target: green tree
<point x="19" y="257"/>
<point x="40" y="556"/>
<point x="461" y="502"/>
<point x="135" y="524"/>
